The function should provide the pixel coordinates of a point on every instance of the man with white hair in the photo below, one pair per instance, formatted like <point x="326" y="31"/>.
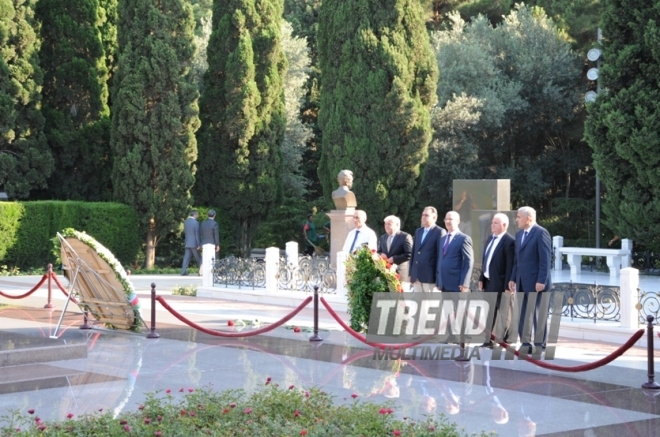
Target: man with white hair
<point x="396" y="245"/>
<point x="496" y="268"/>
<point x="362" y="235"/>
<point x="531" y="268"/>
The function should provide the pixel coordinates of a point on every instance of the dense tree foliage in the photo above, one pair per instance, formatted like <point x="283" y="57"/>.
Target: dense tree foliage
<point x="155" y="114"/>
<point x="508" y="107"/>
<point x="75" y="96"/>
<point x="378" y="85"/>
<point x="623" y="127"/>
<point x="25" y="161"/>
<point x="243" y="114"/>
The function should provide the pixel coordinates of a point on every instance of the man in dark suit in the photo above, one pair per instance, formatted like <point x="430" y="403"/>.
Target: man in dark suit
<point x="531" y="268"/>
<point x="192" y="245"/>
<point x="455" y="257"/>
<point x="209" y="233"/>
<point x="396" y="245"/>
<point x="496" y="268"/>
<point x="425" y="252"/>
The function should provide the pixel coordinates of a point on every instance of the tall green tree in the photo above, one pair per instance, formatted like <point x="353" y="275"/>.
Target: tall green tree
<point x="155" y="115"/>
<point x="25" y="160"/>
<point x="243" y="114"/>
<point x="75" y="96"/>
<point x="509" y="104"/>
<point x="623" y="127"/>
<point x="378" y="84"/>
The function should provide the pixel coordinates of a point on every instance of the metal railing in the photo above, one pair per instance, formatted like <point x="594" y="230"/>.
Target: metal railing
<point x="649" y="304"/>
<point x="239" y="272"/>
<point x="310" y="272"/>
<point x="586" y="301"/>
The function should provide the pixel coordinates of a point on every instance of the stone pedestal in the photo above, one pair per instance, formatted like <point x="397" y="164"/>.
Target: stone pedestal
<point x="208" y="258"/>
<point x="272" y="261"/>
<point x="341" y="223"/>
<point x="629" y="298"/>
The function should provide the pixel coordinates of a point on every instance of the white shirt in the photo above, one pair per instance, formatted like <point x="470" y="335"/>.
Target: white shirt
<point x="494" y="242"/>
<point x="366" y="236"/>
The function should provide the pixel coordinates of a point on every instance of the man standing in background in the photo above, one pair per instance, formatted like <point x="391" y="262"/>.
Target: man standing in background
<point x="192" y="244"/>
<point x="210" y="239"/>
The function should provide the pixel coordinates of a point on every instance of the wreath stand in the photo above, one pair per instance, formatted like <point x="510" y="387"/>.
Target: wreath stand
<point x="98" y="289"/>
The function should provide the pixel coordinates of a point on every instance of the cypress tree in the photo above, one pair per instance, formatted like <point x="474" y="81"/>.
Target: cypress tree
<point x="243" y="114"/>
<point x="378" y="81"/>
<point x="75" y="98"/>
<point x="623" y="127"/>
<point x="25" y="161"/>
<point x="155" y="114"/>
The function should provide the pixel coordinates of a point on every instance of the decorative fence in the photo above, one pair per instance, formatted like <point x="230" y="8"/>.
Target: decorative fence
<point x="584" y="301"/>
<point x="251" y="272"/>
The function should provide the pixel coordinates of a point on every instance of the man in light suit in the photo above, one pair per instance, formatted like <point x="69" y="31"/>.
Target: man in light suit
<point x="531" y="269"/>
<point x="496" y="268"/>
<point x="455" y="257"/>
<point x="425" y="252"/>
<point x="209" y="233"/>
<point x="192" y="245"/>
<point x="396" y="245"/>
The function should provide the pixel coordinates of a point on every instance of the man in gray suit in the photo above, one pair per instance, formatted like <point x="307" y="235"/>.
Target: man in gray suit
<point x="191" y="235"/>
<point x="210" y="231"/>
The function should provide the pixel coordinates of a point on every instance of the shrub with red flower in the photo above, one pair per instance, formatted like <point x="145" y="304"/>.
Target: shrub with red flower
<point x="367" y="273"/>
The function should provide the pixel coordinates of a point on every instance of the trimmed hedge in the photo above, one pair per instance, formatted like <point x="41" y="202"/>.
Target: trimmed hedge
<point x="27" y="228"/>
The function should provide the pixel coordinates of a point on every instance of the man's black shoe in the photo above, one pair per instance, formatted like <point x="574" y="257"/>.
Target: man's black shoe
<point x="488" y="344"/>
<point x="184" y="274"/>
<point x="525" y="348"/>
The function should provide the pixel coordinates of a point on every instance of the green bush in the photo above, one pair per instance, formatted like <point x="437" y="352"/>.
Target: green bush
<point x="26" y="229"/>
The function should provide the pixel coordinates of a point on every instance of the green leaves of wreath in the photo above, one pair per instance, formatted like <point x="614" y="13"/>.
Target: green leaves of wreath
<point x="114" y="264"/>
<point x="367" y="273"/>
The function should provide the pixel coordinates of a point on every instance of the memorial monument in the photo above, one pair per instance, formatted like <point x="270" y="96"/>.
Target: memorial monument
<point x="341" y="218"/>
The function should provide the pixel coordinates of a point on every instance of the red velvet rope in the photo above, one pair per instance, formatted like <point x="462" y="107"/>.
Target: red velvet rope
<point x="584" y="367"/>
<point x="192" y="324"/>
<point x="63" y="288"/>
<point x="35" y="288"/>
<point x="361" y="337"/>
<point x="546" y="365"/>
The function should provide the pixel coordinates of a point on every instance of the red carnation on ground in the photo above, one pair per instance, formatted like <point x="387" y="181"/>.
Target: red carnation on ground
<point x="296" y="329"/>
<point x="230" y="323"/>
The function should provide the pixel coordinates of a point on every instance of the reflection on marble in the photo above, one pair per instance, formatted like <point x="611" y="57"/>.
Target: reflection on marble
<point x="510" y="398"/>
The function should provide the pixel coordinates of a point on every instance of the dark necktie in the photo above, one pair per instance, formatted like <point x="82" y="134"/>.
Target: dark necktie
<point x="490" y="247"/>
<point x="444" y="248"/>
<point x="354" y="240"/>
<point x="522" y="240"/>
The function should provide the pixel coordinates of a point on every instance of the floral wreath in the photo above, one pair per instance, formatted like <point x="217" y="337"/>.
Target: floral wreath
<point x="367" y="273"/>
<point x="114" y="264"/>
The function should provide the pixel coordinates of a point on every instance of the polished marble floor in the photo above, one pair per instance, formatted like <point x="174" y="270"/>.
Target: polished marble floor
<point x="511" y="398"/>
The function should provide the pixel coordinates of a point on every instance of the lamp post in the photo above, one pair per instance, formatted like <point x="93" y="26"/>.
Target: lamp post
<point x="595" y="55"/>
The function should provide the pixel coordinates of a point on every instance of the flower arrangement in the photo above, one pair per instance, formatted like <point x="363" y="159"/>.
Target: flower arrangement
<point x="269" y="411"/>
<point x="367" y="273"/>
<point x="114" y="264"/>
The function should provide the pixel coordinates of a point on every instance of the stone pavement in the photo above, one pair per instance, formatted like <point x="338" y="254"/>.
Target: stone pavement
<point x="511" y="398"/>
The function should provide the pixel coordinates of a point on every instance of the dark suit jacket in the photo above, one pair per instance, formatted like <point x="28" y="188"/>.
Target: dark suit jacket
<point x="210" y="232"/>
<point x="454" y="267"/>
<point x="191" y="233"/>
<point x="501" y="264"/>
<point x="400" y="251"/>
<point x="532" y="263"/>
<point x="424" y="255"/>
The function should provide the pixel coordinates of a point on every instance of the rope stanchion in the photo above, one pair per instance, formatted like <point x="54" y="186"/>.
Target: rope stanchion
<point x="49" y="303"/>
<point x="316" y="336"/>
<point x="24" y="295"/>
<point x="650" y="384"/>
<point x="361" y="337"/>
<point x="192" y="324"/>
<point x="152" y="332"/>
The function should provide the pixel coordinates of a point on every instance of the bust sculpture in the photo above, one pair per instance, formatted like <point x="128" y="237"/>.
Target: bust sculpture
<point x="343" y="197"/>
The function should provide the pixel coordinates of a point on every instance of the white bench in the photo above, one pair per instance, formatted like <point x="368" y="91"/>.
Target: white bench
<point x="616" y="258"/>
